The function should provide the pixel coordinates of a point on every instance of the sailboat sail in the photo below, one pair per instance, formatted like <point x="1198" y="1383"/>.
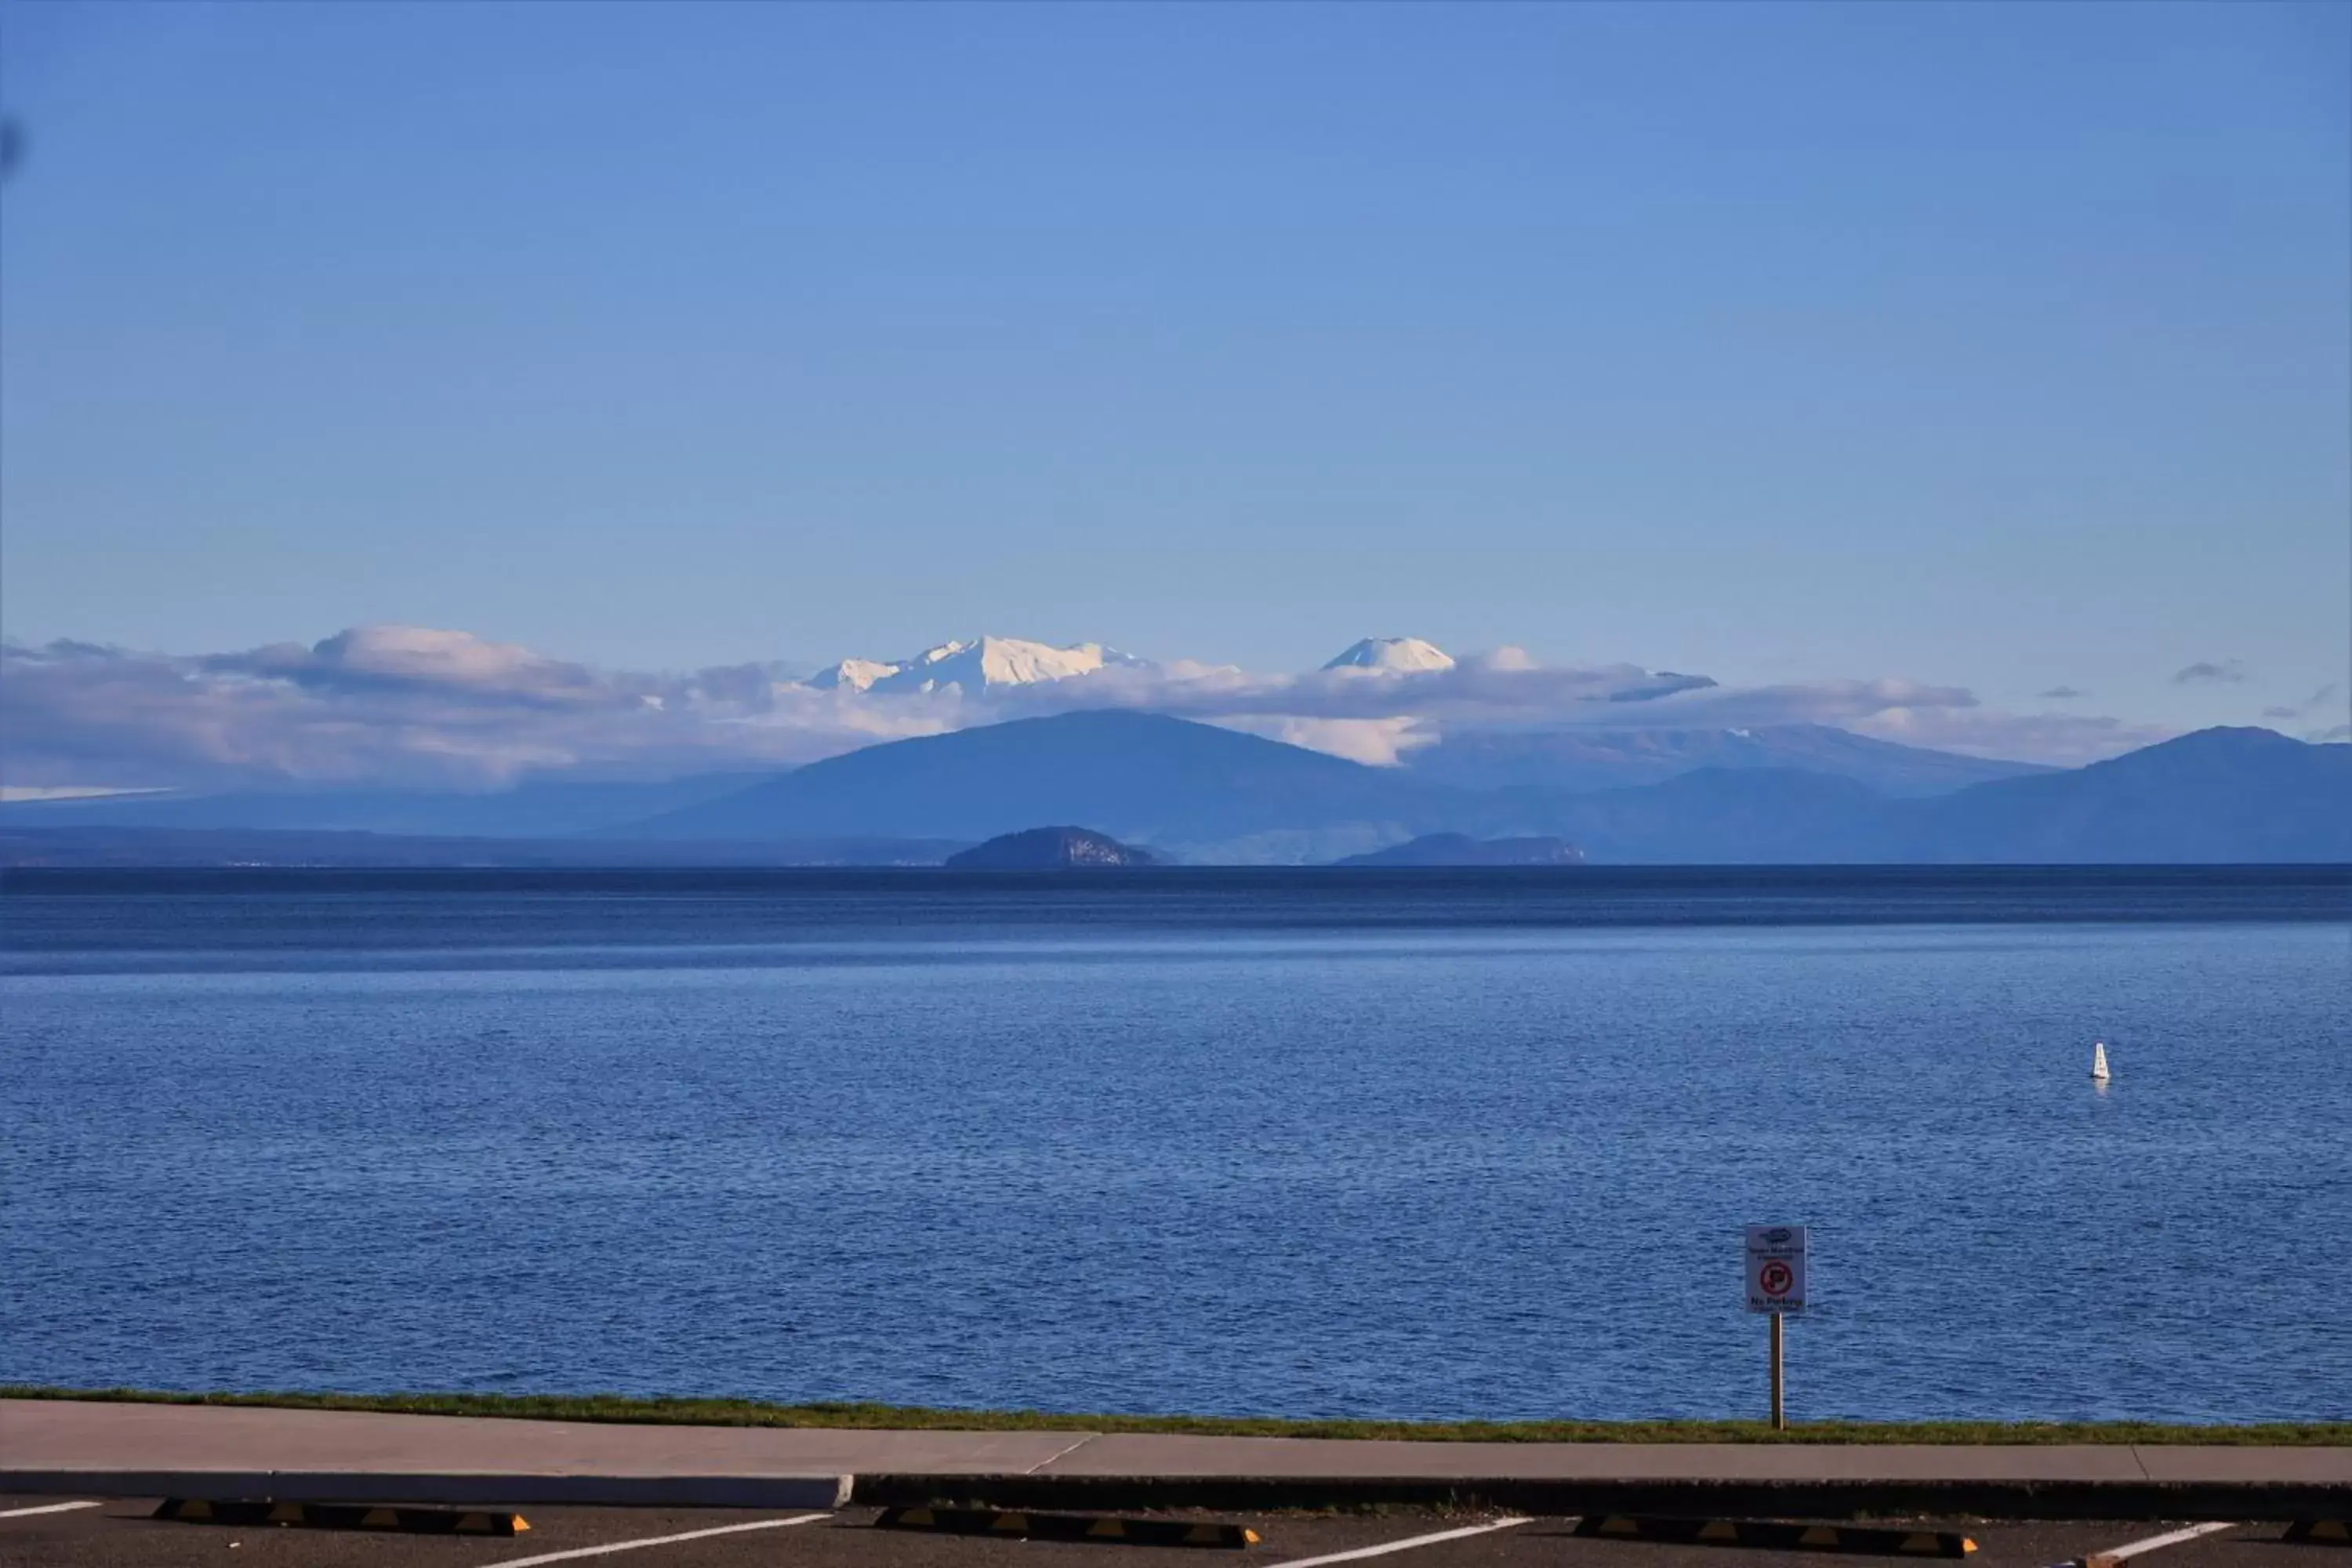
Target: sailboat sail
<point x="2099" y="1062"/>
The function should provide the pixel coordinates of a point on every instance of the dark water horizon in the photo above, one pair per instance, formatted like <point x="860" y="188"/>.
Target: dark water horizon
<point x="1291" y="1143"/>
<point x="747" y="906"/>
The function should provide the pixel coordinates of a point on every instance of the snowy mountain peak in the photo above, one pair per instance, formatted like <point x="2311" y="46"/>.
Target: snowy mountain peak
<point x="974" y="666"/>
<point x="855" y="674"/>
<point x="1393" y="655"/>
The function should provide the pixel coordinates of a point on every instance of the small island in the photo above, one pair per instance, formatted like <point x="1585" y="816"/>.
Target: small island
<point x="1050" y="849"/>
<point x="1458" y="849"/>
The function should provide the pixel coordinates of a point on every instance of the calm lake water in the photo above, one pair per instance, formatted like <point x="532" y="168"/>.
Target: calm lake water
<point x="1273" y="1143"/>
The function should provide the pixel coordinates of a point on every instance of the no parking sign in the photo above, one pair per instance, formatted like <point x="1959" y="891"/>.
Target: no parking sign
<point x="1776" y="1269"/>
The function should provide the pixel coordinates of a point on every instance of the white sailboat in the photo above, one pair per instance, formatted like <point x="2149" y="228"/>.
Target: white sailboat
<point x="2099" y="1062"/>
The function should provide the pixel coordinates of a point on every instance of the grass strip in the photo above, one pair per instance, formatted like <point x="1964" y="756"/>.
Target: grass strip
<point x="684" y="1412"/>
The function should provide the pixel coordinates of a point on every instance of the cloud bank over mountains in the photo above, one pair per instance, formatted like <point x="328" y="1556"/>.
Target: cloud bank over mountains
<point x="414" y="706"/>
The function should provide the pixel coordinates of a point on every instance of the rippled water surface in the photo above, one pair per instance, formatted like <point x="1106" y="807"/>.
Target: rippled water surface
<point x="1268" y="1143"/>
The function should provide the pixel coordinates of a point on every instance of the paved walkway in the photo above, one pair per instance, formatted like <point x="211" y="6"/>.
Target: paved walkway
<point x="65" y="1435"/>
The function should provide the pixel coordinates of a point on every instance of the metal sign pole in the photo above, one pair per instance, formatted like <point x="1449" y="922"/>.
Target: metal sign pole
<point x="1779" y="1407"/>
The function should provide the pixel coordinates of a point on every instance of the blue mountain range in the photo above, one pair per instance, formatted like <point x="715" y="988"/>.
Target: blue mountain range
<point x="1200" y="792"/>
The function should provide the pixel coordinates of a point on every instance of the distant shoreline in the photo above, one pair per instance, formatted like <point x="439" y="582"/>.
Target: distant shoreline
<point x="794" y="905"/>
<point x="689" y="1411"/>
<point x="1619" y="873"/>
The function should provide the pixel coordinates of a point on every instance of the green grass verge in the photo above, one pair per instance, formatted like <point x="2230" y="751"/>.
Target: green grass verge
<point x="901" y="1417"/>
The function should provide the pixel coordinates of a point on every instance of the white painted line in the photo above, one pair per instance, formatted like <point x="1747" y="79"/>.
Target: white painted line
<point x="2116" y="1554"/>
<point x="1405" y="1545"/>
<point x="49" y="1508"/>
<point x="613" y="1546"/>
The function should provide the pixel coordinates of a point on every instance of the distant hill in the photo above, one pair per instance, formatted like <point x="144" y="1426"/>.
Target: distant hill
<point x="2219" y="795"/>
<point x="1727" y="816"/>
<point x="1460" y="849"/>
<point x="1582" y="760"/>
<point x="550" y="809"/>
<point x="1213" y="795"/>
<point x="1050" y="849"/>
<point x="100" y="845"/>
<point x="2224" y="794"/>
<point x="1140" y="776"/>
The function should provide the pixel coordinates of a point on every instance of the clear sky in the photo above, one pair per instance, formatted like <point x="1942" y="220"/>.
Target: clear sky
<point x="2006" y="347"/>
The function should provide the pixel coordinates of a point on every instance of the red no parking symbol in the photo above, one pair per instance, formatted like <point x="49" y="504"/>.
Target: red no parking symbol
<point x="1776" y="1269"/>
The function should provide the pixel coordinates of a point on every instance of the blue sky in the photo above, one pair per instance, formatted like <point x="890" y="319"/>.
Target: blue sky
<point x="2000" y="346"/>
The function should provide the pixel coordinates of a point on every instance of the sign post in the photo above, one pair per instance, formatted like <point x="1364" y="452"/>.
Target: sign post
<point x="1779" y="1378"/>
<point x="1776" y="1283"/>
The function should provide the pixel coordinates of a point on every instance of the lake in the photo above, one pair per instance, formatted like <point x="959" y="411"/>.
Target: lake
<point x="1266" y="1143"/>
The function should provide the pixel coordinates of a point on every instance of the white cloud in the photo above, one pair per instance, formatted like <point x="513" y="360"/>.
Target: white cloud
<point x="1379" y="742"/>
<point x="426" y="653"/>
<point x="1479" y="689"/>
<point x="401" y="706"/>
<point x="68" y="792"/>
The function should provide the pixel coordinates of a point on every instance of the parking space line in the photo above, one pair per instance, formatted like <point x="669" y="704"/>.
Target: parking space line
<point x="2116" y="1555"/>
<point x="612" y="1546"/>
<point x="48" y="1508"/>
<point x="1405" y="1545"/>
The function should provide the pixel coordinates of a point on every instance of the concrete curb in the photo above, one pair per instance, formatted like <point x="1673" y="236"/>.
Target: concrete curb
<point x="1094" y="1529"/>
<point x="447" y="1487"/>
<point x="2263" y="1501"/>
<point x="2022" y="1500"/>
<point x="371" y="1517"/>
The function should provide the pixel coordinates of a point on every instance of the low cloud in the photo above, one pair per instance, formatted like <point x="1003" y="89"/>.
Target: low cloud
<point x="2321" y="705"/>
<point x="2061" y="694"/>
<point x="417" y="659"/>
<point x="402" y="706"/>
<point x="2229" y="669"/>
<point x="2063" y="740"/>
<point x="1409" y="707"/>
<point x="1481" y="688"/>
<point x="1378" y="742"/>
<point x="418" y="707"/>
<point x="2317" y="702"/>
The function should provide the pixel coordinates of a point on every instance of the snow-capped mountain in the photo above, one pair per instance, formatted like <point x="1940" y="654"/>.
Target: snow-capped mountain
<point x="855" y="674"/>
<point x="1393" y="656"/>
<point x="989" y="663"/>
<point x="976" y="666"/>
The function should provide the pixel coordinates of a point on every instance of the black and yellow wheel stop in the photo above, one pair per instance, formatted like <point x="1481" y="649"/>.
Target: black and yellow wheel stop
<point x="1064" y="1526"/>
<point x="1776" y="1535"/>
<point x="344" y="1516"/>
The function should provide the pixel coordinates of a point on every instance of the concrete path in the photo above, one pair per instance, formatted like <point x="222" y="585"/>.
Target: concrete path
<point x="1122" y="1454"/>
<point x="63" y="1434"/>
<point x="40" y="1434"/>
<point x="72" y="1446"/>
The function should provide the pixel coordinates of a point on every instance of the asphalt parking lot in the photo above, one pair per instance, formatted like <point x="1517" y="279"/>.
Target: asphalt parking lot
<point x="120" y="1533"/>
